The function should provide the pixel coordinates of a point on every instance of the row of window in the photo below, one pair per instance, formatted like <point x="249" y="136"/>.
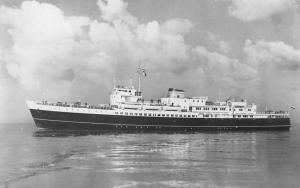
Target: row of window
<point x="177" y="115"/>
<point x="235" y="116"/>
<point x="171" y="115"/>
<point x="207" y="108"/>
<point x="221" y="109"/>
<point x="123" y="90"/>
<point x="216" y="115"/>
<point x="193" y="100"/>
<point x="197" y="100"/>
<point x="244" y="116"/>
<point x="241" y="109"/>
<point x="156" y="115"/>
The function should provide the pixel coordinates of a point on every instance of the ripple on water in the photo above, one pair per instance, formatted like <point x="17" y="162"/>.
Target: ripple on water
<point x="154" y="160"/>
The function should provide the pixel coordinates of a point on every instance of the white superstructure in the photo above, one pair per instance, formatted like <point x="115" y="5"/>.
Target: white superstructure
<point x="128" y="101"/>
<point x="128" y="98"/>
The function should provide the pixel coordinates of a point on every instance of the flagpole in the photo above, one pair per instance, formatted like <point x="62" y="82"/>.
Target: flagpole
<point x="139" y="74"/>
<point x="140" y="71"/>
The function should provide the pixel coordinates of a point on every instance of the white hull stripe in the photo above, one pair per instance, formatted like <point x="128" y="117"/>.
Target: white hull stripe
<point x="136" y="125"/>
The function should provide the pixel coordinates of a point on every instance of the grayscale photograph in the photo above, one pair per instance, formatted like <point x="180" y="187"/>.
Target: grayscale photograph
<point x="149" y="93"/>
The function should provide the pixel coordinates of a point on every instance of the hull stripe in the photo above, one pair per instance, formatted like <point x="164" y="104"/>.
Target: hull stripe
<point x="52" y="120"/>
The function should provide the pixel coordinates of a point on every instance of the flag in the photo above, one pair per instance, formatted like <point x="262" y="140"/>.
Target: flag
<point x="292" y="107"/>
<point x="142" y="71"/>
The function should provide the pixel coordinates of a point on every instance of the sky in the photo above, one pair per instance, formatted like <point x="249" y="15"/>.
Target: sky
<point x="70" y="50"/>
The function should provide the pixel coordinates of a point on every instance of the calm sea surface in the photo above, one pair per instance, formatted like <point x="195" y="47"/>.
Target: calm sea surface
<point x="31" y="158"/>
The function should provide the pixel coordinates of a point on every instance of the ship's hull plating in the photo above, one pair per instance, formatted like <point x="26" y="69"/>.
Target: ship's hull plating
<point x="81" y="121"/>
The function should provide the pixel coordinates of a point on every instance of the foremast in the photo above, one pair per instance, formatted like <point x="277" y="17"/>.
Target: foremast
<point x="141" y="72"/>
<point x="128" y="94"/>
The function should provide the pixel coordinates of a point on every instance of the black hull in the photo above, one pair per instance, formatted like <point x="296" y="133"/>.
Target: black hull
<point x="80" y="121"/>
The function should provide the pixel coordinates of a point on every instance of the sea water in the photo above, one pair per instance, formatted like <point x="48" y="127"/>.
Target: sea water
<point x="40" y="158"/>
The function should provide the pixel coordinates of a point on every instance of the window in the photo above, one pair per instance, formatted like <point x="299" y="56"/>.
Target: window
<point x="131" y="114"/>
<point x="184" y="116"/>
<point x="149" y="114"/>
<point x="240" y="109"/>
<point x="136" y="114"/>
<point x="189" y="115"/>
<point x="176" y="115"/>
<point x="163" y="115"/>
<point x="249" y="109"/>
<point x="167" y="115"/>
<point x="116" y="113"/>
<point x="172" y="115"/>
<point x="126" y="113"/>
<point x="193" y="115"/>
<point x="158" y="115"/>
<point x="145" y="114"/>
<point x="140" y="114"/>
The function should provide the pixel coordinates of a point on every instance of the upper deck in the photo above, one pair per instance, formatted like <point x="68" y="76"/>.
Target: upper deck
<point x="143" y="109"/>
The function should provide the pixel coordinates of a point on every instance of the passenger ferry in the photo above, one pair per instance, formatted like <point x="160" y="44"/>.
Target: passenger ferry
<point x="128" y="110"/>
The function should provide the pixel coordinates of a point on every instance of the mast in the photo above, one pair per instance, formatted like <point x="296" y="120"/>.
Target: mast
<point x="130" y="82"/>
<point x="139" y="76"/>
<point x="114" y="82"/>
<point x="139" y="72"/>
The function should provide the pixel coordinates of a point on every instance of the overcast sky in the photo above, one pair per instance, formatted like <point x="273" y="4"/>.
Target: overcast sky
<point x="68" y="50"/>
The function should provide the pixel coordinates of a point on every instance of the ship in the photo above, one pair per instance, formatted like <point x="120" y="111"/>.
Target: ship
<point x="127" y="110"/>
